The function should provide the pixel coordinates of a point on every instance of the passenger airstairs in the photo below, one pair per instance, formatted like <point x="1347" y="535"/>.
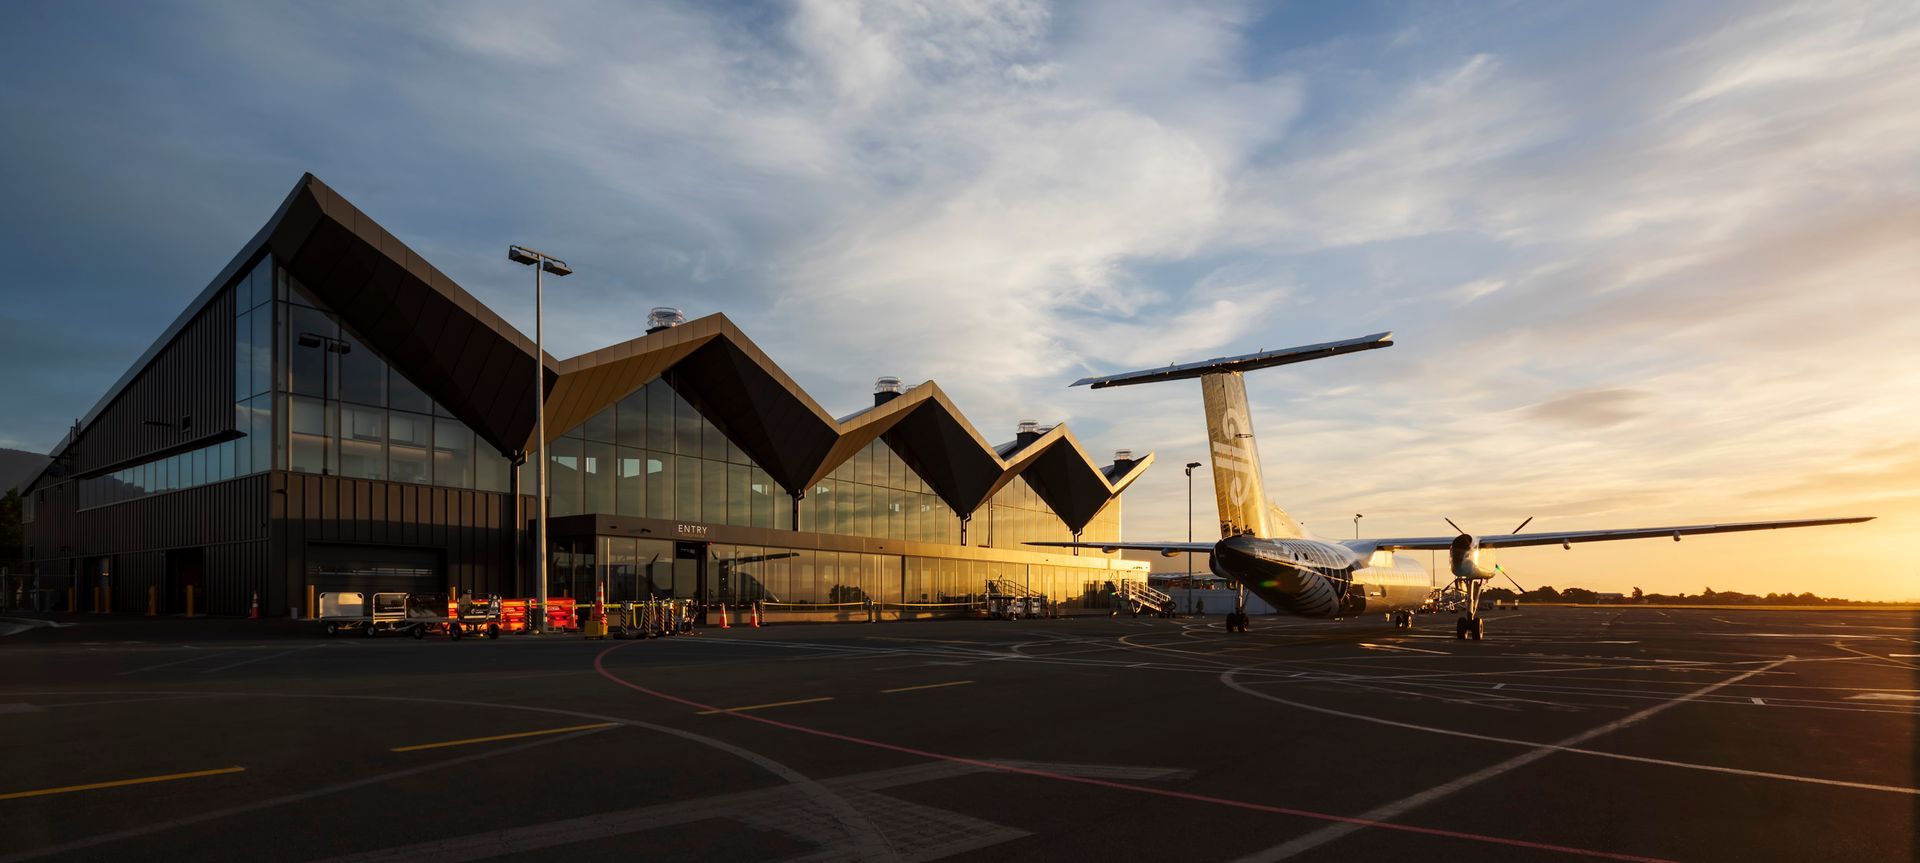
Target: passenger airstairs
<point x="1009" y="598"/>
<point x="1138" y="597"/>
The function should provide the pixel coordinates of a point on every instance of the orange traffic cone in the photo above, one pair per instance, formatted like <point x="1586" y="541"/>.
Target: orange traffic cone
<point x="255" y="613"/>
<point x="756" y="615"/>
<point x="723" y="617"/>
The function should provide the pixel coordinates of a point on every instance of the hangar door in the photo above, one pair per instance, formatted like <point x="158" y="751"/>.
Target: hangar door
<point x="375" y="568"/>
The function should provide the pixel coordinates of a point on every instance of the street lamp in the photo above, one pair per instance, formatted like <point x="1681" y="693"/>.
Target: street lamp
<point x="329" y="345"/>
<point x="546" y="264"/>
<point x="1190" y="466"/>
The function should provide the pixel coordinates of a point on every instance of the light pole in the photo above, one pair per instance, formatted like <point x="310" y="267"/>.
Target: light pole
<point x="329" y="345"/>
<point x="1190" y="466"/>
<point x="541" y="262"/>
<point x="1356" y="524"/>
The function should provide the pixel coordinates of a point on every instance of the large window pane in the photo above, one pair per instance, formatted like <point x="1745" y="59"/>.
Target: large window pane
<point x="660" y="487"/>
<point x="761" y="488"/>
<point x="261" y="433"/>
<point x="308" y="428"/>
<point x="309" y="365"/>
<point x="409" y="437"/>
<point x="259" y="284"/>
<point x="363" y="376"/>
<point x="242" y="356"/>
<point x="686" y="427"/>
<point x="262" y="349"/>
<point x="452" y="454"/>
<point x="597" y="476"/>
<point x="713" y="492"/>
<point x="403" y="395"/>
<point x="563" y="476"/>
<point x="630" y="481"/>
<point x="686" y="504"/>
<point x="490" y="470"/>
<point x="713" y="444"/>
<point x="631" y="415"/>
<point x="599" y="427"/>
<point x="363" y="442"/>
<point x="659" y="417"/>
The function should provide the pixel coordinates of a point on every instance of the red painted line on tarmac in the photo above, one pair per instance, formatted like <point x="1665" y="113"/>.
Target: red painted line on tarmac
<point x="599" y="665"/>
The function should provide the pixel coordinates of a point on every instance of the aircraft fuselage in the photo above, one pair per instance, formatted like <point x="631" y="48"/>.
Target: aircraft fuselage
<point x="1316" y="578"/>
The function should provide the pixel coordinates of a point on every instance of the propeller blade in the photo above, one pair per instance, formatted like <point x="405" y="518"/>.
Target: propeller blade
<point x="1456" y="528"/>
<point x="1523" y="524"/>
<point x="1509" y="578"/>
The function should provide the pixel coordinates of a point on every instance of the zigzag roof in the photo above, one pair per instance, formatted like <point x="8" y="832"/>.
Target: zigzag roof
<point x="717" y="368"/>
<point x="474" y="364"/>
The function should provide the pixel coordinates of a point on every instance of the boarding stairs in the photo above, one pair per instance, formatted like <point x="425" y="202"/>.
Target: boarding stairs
<point x="1139" y="597"/>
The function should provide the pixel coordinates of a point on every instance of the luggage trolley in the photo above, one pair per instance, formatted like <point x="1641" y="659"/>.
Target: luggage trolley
<point x="350" y="611"/>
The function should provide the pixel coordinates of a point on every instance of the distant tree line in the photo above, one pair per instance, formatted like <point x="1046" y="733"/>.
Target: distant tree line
<point x="1708" y="596"/>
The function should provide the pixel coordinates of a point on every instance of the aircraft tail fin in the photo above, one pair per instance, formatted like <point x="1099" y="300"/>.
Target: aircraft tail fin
<point x="1237" y="484"/>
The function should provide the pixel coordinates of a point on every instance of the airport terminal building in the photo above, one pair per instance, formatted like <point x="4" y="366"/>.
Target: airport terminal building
<point x="333" y="413"/>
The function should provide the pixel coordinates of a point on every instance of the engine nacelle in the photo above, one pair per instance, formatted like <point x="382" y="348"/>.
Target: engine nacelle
<point x="1466" y="559"/>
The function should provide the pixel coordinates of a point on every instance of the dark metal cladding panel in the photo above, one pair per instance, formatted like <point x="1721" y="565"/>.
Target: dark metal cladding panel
<point x="1068" y="484"/>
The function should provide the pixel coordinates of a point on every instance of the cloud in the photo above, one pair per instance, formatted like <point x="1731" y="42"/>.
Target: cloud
<point x="1590" y="408"/>
<point x="1574" y="218"/>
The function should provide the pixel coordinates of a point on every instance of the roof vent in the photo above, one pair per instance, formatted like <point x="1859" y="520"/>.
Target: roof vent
<point x="1029" y="431"/>
<point x="1123" y="456"/>
<point x="885" y="389"/>
<point x="663" y="317"/>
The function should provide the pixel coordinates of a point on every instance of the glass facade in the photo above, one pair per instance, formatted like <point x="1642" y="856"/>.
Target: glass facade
<point x="349" y="413"/>
<point x="634" y="569"/>
<point x="653" y="455"/>
<point x="252" y="452"/>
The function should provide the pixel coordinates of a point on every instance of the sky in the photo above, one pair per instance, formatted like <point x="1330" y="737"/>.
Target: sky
<point x="1646" y="263"/>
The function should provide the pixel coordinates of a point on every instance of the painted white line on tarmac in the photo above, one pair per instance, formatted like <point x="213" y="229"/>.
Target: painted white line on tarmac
<point x="1390" y="811"/>
<point x="176" y="662"/>
<point x="246" y="662"/>
<point x="1228" y="678"/>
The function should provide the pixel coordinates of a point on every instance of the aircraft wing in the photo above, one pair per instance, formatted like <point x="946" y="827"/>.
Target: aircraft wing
<point x="1242" y="363"/>
<point x="1167" y="548"/>
<point x="1441" y="543"/>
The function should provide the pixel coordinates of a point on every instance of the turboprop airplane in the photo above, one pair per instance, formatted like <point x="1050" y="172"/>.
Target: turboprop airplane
<point x="1265" y="551"/>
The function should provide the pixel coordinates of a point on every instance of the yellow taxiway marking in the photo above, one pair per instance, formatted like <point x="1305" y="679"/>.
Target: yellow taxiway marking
<point x="764" y="706"/>
<point x="928" y="686"/>
<point x="419" y="746"/>
<point x="67" y="789"/>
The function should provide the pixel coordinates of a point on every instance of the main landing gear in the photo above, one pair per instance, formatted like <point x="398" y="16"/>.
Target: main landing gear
<point x="1237" y="618"/>
<point x="1401" y="619"/>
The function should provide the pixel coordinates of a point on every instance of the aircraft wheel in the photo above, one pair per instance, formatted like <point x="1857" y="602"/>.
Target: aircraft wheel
<point x="332" y="630"/>
<point x="1479" y="628"/>
<point x="1460" y="629"/>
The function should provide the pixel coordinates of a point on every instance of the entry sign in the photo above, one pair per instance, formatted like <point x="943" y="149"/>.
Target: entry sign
<point x="692" y="529"/>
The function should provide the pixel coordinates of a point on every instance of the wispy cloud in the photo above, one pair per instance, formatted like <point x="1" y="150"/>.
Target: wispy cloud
<point x="1643" y="264"/>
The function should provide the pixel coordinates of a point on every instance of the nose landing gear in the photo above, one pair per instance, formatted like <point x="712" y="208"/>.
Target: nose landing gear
<point x="1470" y="628"/>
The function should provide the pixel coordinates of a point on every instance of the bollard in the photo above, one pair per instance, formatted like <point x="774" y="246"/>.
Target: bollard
<point x="313" y="611"/>
<point x="72" y="600"/>
<point x="153" y="600"/>
<point x="189" y="600"/>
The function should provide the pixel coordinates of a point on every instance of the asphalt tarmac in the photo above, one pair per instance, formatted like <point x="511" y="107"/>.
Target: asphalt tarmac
<point x="1570" y="733"/>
